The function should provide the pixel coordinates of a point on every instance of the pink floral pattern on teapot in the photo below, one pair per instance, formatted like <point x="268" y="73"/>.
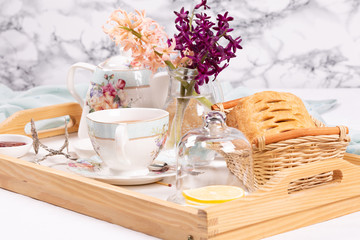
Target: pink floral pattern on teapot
<point x="117" y="83"/>
<point x="109" y="94"/>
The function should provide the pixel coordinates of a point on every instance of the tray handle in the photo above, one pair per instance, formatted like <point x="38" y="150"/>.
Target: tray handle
<point x="225" y="105"/>
<point x="15" y="124"/>
<point x="261" y="142"/>
<point x="343" y="173"/>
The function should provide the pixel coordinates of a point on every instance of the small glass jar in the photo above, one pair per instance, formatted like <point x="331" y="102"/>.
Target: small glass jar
<point x="204" y="153"/>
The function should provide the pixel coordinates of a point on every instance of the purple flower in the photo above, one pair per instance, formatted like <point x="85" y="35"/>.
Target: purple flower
<point x="95" y="90"/>
<point x="203" y="3"/>
<point x="203" y="20"/>
<point x="181" y="16"/>
<point x="201" y="37"/>
<point x="224" y="18"/>
<point x="233" y="43"/>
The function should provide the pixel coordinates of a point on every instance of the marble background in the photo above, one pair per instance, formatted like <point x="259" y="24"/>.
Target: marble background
<point x="287" y="43"/>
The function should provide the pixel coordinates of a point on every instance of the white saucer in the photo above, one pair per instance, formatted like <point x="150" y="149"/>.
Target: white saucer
<point x="92" y="168"/>
<point x="83" y="147"/>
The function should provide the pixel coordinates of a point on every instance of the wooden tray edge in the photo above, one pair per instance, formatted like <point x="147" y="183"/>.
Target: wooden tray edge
<point x="100" y="200"/>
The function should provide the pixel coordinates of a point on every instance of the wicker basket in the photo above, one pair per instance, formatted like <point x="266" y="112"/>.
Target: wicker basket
<point x="272" y="154"/>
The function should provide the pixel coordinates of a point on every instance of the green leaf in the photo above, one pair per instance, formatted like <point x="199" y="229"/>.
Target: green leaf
<point x="117" y="99"/>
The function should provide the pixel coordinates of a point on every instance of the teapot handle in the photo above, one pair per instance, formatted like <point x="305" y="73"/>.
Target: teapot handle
<point x="70" y="79"/>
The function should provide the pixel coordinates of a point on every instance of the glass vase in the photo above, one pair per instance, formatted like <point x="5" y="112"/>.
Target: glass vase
<point x="186" y="107"/>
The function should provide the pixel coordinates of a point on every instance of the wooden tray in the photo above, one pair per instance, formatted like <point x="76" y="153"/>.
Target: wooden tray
<point x="267" y="212"/>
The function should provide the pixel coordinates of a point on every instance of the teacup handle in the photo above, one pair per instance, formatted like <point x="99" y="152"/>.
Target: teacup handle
<point x="121" y="139"/>
<point x="70" y="79"/>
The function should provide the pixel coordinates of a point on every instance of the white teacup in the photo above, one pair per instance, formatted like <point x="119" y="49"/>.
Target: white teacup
<point x="128" y="139"/>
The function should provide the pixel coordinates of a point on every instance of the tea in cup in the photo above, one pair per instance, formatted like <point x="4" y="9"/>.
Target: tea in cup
<point x="128" y="139"/>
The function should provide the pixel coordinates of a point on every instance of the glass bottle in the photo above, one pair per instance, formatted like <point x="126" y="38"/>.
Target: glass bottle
<point x="186" y="107"/>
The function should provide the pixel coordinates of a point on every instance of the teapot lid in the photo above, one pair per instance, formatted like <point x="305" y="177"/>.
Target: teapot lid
<point x="119" y="62"/>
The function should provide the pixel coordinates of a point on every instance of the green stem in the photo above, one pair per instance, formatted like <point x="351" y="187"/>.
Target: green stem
<point x="204" y="101"/>
<point x="181" y="105"/>
<point x="191" y="92"/>
<point x="191" y="19"/>
<point x="182" y="90"/>
<point x="135" y="33"/>
<point x="189" y="88"/>
<point x="175" y="132"/>
<point x="169" y="64"/>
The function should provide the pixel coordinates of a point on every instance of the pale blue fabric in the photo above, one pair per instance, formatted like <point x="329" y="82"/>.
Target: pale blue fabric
<point x="11" y="102"/>
<point x="354" y="146"/>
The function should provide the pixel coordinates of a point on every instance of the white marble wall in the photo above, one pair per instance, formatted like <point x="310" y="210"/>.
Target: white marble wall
<point x="287" y="43"/>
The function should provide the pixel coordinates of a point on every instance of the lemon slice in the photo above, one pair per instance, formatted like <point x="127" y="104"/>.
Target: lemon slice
<point x="213" y="194"/>
<point x="189" y="202"/>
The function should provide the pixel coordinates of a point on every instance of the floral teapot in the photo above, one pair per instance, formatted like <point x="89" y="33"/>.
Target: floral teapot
<point x="116" y="83"/>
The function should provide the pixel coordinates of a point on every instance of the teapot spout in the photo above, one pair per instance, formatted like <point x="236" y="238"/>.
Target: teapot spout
<point x="159" y="85"/>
